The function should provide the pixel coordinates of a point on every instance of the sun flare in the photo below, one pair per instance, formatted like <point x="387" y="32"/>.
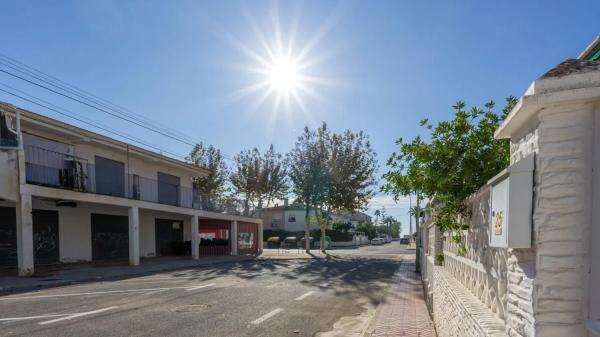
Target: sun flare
<point x="284" y="74"/>
<point x="284" y="68"/>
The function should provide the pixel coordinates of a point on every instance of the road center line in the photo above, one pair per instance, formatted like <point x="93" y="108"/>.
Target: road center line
<point x="353" y="269"/>
<point x="301" y="297"/>
<point x="93" y="293"/>
<point x="81" y="314"/>
<point x="266" y="316"/>
<point x="202" y="286"/>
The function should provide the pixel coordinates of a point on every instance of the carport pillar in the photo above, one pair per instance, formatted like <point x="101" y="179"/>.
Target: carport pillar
<point x="25" y="235"/>
<point x="260" y="237"/>
<point x="195" y="238"/>
<point x="234" y="237"/>
<point x="134" y="236"/>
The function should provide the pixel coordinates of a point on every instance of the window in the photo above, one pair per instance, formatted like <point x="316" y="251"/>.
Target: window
<point x="292" y="218"/>
<point x="110" y="177"/>
<point x="168" y="189"/>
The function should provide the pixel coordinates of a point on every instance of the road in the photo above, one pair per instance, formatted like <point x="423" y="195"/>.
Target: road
<point x="252" y="298"/>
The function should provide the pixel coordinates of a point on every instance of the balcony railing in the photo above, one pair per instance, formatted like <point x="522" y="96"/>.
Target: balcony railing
<point x="53" y="169"/>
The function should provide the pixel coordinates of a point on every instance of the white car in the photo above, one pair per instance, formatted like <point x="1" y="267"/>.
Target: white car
<point x="377" y="241"/>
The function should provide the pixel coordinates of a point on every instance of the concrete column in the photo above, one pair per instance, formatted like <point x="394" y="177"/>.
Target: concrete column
<point x="260" y="237"/>
<point x="134" y="236"/>
<point x="25" y="235"/>
<point x="195" y="238"/>
<point x="234" y="237"/>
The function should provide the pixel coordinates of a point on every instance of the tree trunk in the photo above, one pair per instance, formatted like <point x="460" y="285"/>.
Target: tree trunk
<point x="323" y="226"/>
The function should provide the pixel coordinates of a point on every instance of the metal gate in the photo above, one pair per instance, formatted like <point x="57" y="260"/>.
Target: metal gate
<point x="214" y="237"/>
<point x="169" y="238"/>
<point x="110" y="237"/>
<point x="45" y="237"/>
<point x="247" y="238"/>
<point x="8" y="237"/>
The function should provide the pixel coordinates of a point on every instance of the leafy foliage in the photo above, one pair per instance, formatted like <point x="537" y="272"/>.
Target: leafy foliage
<point x="260" y="178"/>
<point x="459" y="158"/>
<point x="332" y="172"/>
<point x="210" y="158"/>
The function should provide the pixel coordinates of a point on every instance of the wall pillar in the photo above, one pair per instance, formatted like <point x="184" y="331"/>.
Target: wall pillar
<point x="195" y="238"/>
<point x="134" y="236"/>
<point x="234" y="237"/>
<point x="260" y="237"/>
<point x="25" y="235"/>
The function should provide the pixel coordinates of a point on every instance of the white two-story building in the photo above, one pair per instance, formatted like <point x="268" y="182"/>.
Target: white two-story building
<point x="72" y="195"/>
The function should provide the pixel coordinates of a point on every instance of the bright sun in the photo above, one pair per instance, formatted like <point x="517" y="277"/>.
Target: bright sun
<point x="282" y="70"/>
<point x="284" y="75"/>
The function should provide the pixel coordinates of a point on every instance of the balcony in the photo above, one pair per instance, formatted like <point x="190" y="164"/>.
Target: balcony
<point x="53" y="169"/>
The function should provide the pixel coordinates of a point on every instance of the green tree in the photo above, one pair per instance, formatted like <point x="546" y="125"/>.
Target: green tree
<point x="332" y="173"/>
<point x="260" y="178"/>
<point x="213" y="186"/>
<point x="460" y="157"/>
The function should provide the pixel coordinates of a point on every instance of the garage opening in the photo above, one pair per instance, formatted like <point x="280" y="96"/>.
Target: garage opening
<point x="110" y="237"/>
<point x="169" y="238"/>
<point x="45" y="237"/>
<point x="247" y="238"/>
<point x="214" y="237"/>
<point x="8" y="237"/>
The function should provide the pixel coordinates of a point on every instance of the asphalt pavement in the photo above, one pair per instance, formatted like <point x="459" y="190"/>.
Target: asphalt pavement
<point x="333" y="296"/>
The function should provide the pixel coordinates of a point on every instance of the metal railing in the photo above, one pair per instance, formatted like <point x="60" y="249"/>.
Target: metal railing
<point x="54" y="169"/>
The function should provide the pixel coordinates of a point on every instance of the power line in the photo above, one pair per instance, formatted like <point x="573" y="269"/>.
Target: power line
<point x="50" y="80"/>
<point x="83" y="97"/>
<point x="93" y="124"/>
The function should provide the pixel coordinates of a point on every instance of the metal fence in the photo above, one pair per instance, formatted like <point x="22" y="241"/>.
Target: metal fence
<point x="54" y="169"/>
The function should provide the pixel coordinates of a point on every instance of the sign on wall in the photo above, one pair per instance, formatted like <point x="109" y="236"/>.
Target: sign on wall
<point x="512" y="205"/>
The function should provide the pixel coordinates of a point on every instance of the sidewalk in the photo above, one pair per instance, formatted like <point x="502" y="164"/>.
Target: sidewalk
<point x="87" y="273"/>
<point x="403" y="312"/>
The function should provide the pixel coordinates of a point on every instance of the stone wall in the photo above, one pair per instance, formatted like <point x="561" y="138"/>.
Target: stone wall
<point x="562" y="219"/>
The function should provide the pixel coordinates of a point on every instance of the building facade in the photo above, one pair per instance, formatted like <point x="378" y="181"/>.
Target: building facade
<point x="71" y="195"/>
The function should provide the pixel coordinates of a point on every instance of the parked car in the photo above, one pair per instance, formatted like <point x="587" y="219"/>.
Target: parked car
<point x="404" y="241"/>
<point x="302" y="244"/>
<point x="289" y="242"/>
<point x="377" y="241"/>
<point x="273" y="242"/>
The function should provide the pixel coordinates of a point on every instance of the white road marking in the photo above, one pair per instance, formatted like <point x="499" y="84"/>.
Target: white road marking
<point x="31" y="317"/>
<point x="81" y="314"/>
<point x="324" y="285"/>
<point x="353" y="269"/>
<point x="202" y="286"/>
<point x="301" y="297"/>
<point x="94" y="293"/>
<point x="266" y="316"/>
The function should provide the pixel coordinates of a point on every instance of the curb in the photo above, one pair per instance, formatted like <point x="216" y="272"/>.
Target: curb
<point x="25" y="288"/>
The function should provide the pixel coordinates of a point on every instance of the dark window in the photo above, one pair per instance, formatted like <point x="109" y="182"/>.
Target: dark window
<point x="169" y="238"/>
<point x="135" y="186"/>
<point x="168" y="189"/>
<point x="110" y="177"/>
<point x="292" y="218"/>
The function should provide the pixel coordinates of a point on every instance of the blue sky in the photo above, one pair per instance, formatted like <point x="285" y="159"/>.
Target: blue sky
<point x="379" y="66"/>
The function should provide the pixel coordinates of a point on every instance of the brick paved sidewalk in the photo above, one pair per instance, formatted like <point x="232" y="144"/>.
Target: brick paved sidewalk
<point x="403" y="312"/>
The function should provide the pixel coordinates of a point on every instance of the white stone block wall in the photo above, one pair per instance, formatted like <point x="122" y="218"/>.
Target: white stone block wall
<point x="562" y="219"/>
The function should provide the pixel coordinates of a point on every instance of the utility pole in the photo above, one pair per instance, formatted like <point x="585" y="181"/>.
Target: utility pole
<point x="418" y="243"/>
<point x="409" y="219"/>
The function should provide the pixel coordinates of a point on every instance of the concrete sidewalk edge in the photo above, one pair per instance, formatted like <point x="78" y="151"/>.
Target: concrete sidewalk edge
<point x="11" y="289"/>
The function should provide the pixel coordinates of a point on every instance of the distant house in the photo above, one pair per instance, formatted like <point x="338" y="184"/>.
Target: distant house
<point x="291" y="218"/>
